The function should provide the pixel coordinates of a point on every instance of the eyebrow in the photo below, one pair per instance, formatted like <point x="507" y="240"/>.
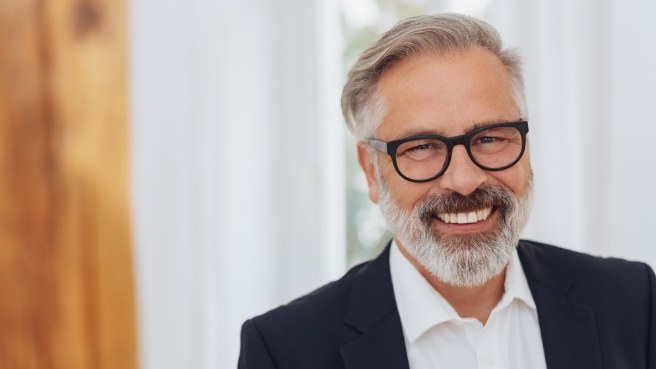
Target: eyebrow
<point x="431" y="132"/>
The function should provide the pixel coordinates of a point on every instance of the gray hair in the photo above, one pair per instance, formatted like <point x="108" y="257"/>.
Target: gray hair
<point x="362" y="105"/>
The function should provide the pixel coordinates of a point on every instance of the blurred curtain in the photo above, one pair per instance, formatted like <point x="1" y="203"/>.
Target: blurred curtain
<point x="237" y="175"/>
<point x="66" y="295"/>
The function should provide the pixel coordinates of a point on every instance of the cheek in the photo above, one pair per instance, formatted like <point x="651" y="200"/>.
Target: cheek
<point x="406" y="194"/>
<point x="516" y="178"/>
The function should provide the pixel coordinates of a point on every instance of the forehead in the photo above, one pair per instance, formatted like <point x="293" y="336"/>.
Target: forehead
<point x="445" y="94"/>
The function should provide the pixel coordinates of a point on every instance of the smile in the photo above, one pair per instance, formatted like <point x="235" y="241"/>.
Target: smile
<point x="465" y="218"/>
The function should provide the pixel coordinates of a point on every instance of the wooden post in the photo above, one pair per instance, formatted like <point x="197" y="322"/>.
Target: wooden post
<point x="66" y="278"/>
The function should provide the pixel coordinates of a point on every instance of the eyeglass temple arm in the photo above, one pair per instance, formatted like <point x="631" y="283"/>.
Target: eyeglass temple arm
<point x="378" y="145"/>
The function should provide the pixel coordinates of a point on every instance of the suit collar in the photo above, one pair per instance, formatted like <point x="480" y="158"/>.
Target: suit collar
<point x="568" y="328"/>
<point x="372" y="311"/>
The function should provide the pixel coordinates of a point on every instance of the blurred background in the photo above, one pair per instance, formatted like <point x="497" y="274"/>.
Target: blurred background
<point x="170" y="168"/>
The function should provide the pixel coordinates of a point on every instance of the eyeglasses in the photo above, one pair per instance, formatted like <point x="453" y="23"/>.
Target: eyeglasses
<point x="426" y="157"/>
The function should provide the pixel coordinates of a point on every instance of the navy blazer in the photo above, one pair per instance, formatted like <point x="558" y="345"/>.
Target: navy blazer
<point x="593" y="313"/>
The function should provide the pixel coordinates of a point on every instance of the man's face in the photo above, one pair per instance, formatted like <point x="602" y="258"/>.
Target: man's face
<point x="450" y="95"/>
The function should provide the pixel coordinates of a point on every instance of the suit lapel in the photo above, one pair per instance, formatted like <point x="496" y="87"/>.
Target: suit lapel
<point x="372" y="311"/>
<point x="382" y="347"/>
<point x="568" y="328"/>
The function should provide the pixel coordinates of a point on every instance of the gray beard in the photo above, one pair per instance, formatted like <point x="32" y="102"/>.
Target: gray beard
<point x="459" y="260"/>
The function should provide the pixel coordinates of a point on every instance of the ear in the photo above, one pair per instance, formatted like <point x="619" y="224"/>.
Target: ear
<point x="367" y="165"/>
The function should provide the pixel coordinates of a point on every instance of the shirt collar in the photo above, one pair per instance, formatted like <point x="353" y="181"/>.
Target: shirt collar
<point x="421" y="307"/>
<point x="516" y="284"/>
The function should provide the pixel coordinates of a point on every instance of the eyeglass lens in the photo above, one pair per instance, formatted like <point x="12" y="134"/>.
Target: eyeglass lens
<point x="490" y="149"/>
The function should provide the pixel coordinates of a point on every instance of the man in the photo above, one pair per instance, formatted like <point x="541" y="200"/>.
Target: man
<point x="439" y="111"/>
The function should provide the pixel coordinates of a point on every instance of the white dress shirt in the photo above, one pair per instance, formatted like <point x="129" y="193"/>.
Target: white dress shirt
<point x="437" y="337"/>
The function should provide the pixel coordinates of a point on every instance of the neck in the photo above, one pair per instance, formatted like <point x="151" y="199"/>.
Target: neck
<point x="469" y="302"/>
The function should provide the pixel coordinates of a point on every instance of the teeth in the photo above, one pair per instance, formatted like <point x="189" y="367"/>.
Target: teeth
<point x="465" y="218"/>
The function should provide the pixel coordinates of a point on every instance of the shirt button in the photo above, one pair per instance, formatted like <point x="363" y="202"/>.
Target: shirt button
<point x="488" y="360"/>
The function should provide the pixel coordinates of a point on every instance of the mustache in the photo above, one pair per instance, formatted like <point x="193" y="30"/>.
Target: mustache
<point x="483" y="197"/>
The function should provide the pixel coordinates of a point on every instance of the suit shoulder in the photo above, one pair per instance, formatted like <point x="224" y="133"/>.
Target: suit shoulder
<point x="580" y="259"/>
<point x="544" y="259"/>
<point x="308" y="331"/>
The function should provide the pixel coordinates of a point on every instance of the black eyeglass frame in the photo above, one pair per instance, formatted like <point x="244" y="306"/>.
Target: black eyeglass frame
<point x="390" y="147"/>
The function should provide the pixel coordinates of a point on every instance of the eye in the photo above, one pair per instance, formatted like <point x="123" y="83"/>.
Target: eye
<point x="421" y="149"/>
<point x="488" y="140"/>
<point x="496" y="136"/>
<point x="425" y="146"/>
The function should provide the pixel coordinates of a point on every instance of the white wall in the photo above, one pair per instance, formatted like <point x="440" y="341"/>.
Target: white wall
<point x="632" y="163"/>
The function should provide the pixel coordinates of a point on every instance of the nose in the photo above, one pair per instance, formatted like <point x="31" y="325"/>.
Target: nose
<point x="462" y="175"/>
